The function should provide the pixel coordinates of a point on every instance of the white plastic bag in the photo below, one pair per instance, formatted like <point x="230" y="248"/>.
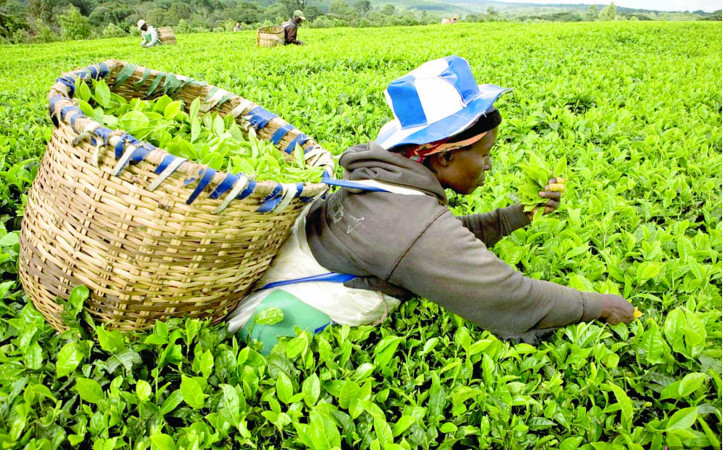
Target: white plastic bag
<point x="342" y="304"/>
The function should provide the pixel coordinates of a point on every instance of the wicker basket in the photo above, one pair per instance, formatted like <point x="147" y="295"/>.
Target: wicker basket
<point x="166" y="36"/>
<point x="270" y="36"/>
<point x="151" y="235"/>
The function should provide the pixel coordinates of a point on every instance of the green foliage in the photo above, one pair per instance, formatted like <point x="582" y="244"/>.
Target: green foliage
<point x="74" y="24"/>
<point x="113" y="30"/>
<point x="642" y="141"/>
<point x="609" y="12"/>
<point x="536" y="175"/>
<point x="182" y="27"/>
<point x="17" y="18"/>
<point x="215" y="141"/>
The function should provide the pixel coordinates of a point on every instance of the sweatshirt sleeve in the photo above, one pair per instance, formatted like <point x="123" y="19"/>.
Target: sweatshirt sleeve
<point x="492" y="226"/>
<point x="452" y="268"/>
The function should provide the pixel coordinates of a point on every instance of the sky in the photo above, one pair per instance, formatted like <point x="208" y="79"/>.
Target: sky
<point x="657" y="5"/>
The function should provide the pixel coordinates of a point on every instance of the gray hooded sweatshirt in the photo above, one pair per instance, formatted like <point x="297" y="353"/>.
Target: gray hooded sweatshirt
<point x="406" y="245"/>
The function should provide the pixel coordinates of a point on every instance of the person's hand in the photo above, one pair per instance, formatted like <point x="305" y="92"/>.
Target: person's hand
<point x="616" y="309"/>
<point x="553" y="192"/>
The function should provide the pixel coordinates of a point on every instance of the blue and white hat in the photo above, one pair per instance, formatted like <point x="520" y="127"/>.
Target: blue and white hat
<point x="437" y="100"/>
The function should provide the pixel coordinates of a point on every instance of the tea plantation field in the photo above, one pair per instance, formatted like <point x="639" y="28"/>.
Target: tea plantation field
<point x="635" y="108"/>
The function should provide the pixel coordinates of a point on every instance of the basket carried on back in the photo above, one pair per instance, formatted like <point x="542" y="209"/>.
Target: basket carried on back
<point x="270" y="36"/>
<point x="152" y="235"/>
<point x="166" y="36"/>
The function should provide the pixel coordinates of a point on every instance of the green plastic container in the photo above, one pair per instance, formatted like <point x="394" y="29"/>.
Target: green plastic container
<point x="296" y="314"/>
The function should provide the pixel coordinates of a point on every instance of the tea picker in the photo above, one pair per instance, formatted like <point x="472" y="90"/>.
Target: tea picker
<point x="291" y="28"/>
<point x="149" y="34"/>
<point x="387" y="235"/>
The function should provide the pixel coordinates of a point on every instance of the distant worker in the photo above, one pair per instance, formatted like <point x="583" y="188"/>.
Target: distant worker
<point x="291" y="27"/>
<point x="237" y="27"/>
<point x="449" y="21"/>
<point x="148" y="34"/>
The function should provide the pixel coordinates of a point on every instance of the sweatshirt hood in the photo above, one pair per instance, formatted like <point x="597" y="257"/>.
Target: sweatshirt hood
<point x="372" y="162"/>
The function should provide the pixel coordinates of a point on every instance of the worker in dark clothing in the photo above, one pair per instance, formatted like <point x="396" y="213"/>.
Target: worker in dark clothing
<point x="388" y="234"/>
<point x="291" y="28"/>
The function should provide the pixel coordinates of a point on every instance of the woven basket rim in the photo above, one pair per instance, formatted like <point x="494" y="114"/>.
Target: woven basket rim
<point x="272" y="29"/>
<point x="64" y="110"/>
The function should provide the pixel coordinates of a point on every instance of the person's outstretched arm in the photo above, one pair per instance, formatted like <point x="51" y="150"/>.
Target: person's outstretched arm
<point x="492" y="226"/>
<point x="451" y="267"/>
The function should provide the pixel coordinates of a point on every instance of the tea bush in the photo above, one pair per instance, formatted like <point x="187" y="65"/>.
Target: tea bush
<point x="633" y="108"/>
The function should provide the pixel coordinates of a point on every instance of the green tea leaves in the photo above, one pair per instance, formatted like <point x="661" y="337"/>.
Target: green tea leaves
<point x="68" y="360"/>
<point x="311" y="388"/>
<point x="192" y="391"/>
<point x="683" y="419"/>
<point x="89" y="390"/>
<point x="143" y="390"/>
<point x="685" y="332"/>
<point x="134" y="121"/>
<point x="102" y="94"/>
<point x="641" y="219"/>
<point x="626" y="406"/>
<point x="110" y="341"/>
<point x="230" y="409"/>
<point x="172" y="109"/>
<point x="211" y="139"/>
<point x="536" y="174"/>
<point x="269" y="316"/>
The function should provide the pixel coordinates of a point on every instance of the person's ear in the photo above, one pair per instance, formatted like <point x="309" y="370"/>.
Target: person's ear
<point x="444" y="158"/>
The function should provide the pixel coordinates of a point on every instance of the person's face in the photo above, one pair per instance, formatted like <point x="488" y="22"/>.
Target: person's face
<point x="297" y="20"/>
<point x="463" y="170"/>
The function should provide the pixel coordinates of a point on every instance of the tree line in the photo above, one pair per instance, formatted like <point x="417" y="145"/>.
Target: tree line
<point x="26" y="21"/>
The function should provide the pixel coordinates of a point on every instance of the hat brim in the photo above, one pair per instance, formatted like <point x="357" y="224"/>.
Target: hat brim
<point x="392" y="135"/>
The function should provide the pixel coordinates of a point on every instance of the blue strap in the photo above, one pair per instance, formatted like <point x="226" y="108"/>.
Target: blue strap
<point x="103" y="70"/>
<point x="321" y="328"/>
<point x="69" y="82"/>
<point x="125" y="138"/>
<point x="205" y="180"/>
<point x="280" y="133"/>
<point x="66" y="109"/>
<point x="225" y="185"/>
<point x="299" y="189"/>
<point x="326" y="179"/>
<point x="271" y="200"/>
<point x="246" y="192"/>
<point x="93" y="72"/>
<point x="104" y="133"/>
<point x="139" y="153"/>
<point x="260" y="117"/>
<point x="74" y="118"/>
<point x="51" y="104"/>
<point x="300" y="139"/>
<point x="330" y="277"/>
<point x="167" y="160"/>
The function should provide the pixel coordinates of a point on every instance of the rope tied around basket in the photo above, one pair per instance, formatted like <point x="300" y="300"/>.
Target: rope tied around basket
<point x="129" y="150"/>
<point x="134" y="154"/>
